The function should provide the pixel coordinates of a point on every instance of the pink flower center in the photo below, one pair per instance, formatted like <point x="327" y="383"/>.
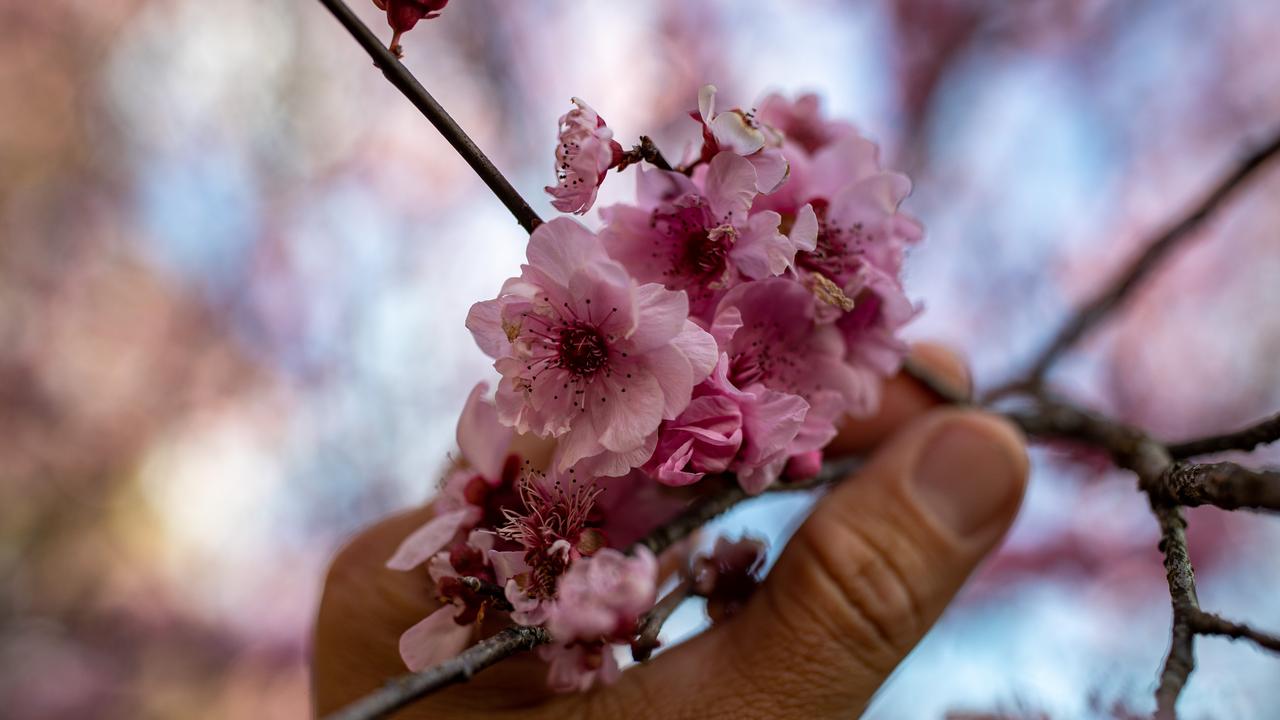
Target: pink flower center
<point x="583" y="350"/>
<point x="700" y="249"/>
<point x="837" y="255"/>
<point x="705" y="254"/>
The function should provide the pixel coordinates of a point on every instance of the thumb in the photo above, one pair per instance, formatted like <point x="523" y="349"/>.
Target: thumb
<point x="874" y="566"/>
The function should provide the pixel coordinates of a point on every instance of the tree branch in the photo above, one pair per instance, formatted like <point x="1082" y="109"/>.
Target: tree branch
<point x="646" y="150"/>
<point x="407" y="84"/>
<point x="1261" y="433"/>
<point x="651" y="623"/>
<point x="1205" y="623"/>
<point x="405" y="689"/>
<point x="708" y="507"/>
<point x="488" y="590"/>
<point x="1181" y="660"/>
<point x="1225" y="485"/>
<point x="1157" y="249"/>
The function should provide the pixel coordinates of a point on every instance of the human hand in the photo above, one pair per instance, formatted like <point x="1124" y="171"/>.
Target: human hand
<point x="856" y="588"/>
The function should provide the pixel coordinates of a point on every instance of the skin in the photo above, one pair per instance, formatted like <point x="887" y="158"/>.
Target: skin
<point x="857" y="587"/>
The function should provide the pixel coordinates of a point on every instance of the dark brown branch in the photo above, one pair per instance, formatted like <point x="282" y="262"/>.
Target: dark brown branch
<point x="1209" y="624"/>
<point x="708" y="507"/>
<point x="487" y="590"/>
<point x="1181" y="659"/>
<point x="405" y="689"/>
<point x="407" y="84"/>
<point x="646" y="150"/>
<point x="1157" y="249"/>
<point x="1261" y="433"/>
<point x="651" y="623"/>
<point x="1225" y="485"/>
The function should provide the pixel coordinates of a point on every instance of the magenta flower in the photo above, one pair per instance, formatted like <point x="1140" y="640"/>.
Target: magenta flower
<point x="602" y="596"/>
<point x="552" y="531"/>
<point x="728" y="576"/>
<point x="587" y="354"/>
<point x="585" y="151"/>
<point x="738" y="131"/>
<point x="402" y="15"/>
<point x="701" y="241"/>
<point x="748" y="431"/>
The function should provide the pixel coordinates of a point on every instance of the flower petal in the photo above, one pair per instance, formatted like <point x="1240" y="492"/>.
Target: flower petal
<point x="484" y="441"/>
<point x="434" y="640"/>
<point x="730" y="186"/>
<point x="428" y="539"/>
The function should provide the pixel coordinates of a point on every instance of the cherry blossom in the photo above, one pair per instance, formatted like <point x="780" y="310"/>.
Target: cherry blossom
<point x="585" y="151"/>
<point x="728" y="576"/>
<point x="701" y="239"/>
<point x="587" y="354"/>
<point x="748" y="431"/>
<point x="738" y="131"/>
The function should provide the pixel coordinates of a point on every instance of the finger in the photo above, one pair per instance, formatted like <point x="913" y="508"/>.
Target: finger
<point x="862" y="580"/>
<point x="904" y="400"/>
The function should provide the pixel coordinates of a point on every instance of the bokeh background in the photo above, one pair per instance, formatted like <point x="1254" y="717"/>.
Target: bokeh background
<point x="235" y="263"/>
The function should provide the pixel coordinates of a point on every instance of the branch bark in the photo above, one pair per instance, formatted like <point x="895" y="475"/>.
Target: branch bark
<point x="710" y="506"/>
<point x="1261" y="433"/>
<point x="406" y="83"/>
<point x="1225" y="485"/>
<point x="651" y="623"/>
<point x="1209" y="624"/>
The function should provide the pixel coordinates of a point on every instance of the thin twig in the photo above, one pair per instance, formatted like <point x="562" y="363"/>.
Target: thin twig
<point x="1116" y="292"/>
<point x="651" y="623"/>
<point x="488" y="590"/>
<point x="1260" y="433"/>
<point x="407" y="84"/>
<point x="1205" y="623"/>
<point x="405" y="689"/>
<point x="708" y="507"/>
<point x="647" y="151"/>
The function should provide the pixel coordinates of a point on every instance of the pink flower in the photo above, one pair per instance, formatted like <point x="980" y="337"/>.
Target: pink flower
<point x="576" y="667"/>
<point x="802" y="123"/>
<point x="854" y="268"/>
<point x="584" y="153"/>
<point x="728" y="576"/>
<point x="748" y="431"/>
<point x="552" y="530"/>
<point x="769" y="331"/>
<point x="587" y="354"/>
<point x="402" y="15"/>
<point x="602" y="596"/>
<point x="739" y="132"/>
<point x="701" y="240"/>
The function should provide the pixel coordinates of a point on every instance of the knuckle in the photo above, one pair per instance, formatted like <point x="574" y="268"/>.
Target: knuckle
<point x="870" y="603"/>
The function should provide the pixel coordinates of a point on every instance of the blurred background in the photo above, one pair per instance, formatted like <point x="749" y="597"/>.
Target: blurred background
<point x="235" y="264"/>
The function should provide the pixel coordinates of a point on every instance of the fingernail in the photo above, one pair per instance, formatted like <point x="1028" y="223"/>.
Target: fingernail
<point x="970" y="470"/>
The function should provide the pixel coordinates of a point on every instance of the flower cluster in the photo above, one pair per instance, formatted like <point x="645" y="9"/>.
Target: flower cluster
<point x="723" y="324"/>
